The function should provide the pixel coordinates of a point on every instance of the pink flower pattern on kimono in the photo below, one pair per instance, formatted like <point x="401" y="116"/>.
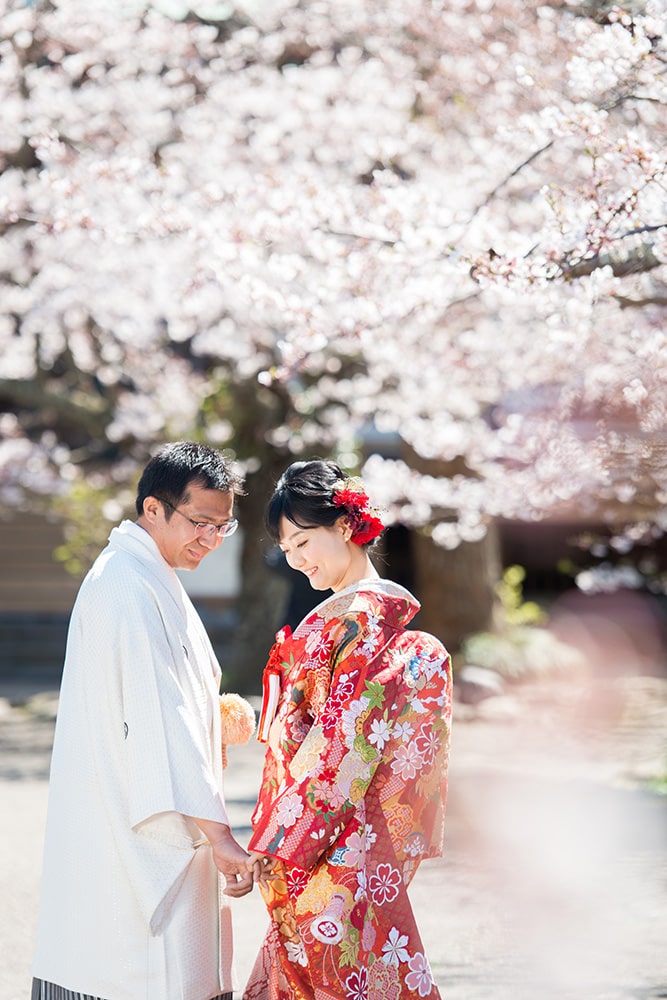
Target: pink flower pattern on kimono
<point x="368" y="936"/>
<point x="289" y="810"/>
<point x="350" y="809"/>
<point x="355" y="850"/>
<point x="407" y="761"/>
<point x="420" y="977"/>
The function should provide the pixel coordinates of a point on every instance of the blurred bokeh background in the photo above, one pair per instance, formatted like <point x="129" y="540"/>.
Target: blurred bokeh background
<point x="426" y="239"/>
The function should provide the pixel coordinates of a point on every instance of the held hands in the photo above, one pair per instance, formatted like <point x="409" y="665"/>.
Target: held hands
<point x="260" y="866"/>
<point x="240" y="869"/>
<point x="232" y="861"/>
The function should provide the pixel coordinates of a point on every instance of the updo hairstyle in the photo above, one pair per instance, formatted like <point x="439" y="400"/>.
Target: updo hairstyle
<point x="304" y="495"/>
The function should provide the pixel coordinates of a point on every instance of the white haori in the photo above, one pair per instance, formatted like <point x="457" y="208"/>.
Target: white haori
<point x="131" y="907"/>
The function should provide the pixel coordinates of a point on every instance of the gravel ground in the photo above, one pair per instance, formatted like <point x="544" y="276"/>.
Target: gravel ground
<point x="554" y="880"/>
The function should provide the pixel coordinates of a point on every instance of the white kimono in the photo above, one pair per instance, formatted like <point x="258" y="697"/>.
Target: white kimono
<point x="131" y="906"/>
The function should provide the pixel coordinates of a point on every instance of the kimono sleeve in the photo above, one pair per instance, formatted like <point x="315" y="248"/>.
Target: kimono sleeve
<point x="168" y="756"/>
<point x="330" y="772"/>
<point x="149" y="761"/>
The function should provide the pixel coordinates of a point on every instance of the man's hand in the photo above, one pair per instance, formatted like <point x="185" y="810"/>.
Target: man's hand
<point x="229" y="857"/>
<point x="232" y="861"/>
<point x="261" y="867"/>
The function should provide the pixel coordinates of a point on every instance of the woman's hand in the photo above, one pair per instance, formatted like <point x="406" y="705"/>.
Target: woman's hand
<point x="261" y="867"/>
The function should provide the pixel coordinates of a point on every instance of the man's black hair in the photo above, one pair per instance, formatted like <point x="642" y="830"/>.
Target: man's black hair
<point x="177" y="465"/>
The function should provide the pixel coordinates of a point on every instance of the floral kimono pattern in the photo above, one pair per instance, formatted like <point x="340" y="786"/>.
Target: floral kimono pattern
<point x="352" y="798"/>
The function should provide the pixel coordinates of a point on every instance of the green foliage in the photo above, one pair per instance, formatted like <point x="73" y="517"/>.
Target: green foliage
<point x="658" y="785"/>
<point x="510" y="592"/>
<point x="521" y="652"/>
<point x="522" y="647"/>
<point x="349" y="947"/>
<point x="374" y="693"/>
<point x="89" y="512"/>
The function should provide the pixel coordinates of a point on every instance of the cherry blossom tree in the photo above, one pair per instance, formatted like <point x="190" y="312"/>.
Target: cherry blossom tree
<point x="279" y="225"/>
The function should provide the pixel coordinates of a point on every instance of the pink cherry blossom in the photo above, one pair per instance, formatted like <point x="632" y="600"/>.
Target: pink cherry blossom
<point x="444" y="221"/>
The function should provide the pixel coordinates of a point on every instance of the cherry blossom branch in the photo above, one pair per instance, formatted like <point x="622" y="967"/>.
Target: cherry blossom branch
<point x="650" y="300"/>
<point x="67" y="409"/>
<point x="513" y="173"/>
<point x="638" y="259"/>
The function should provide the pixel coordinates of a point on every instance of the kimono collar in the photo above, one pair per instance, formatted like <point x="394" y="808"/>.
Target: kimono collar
<point x="129" y="537"/>
<point x="383" y="598"/>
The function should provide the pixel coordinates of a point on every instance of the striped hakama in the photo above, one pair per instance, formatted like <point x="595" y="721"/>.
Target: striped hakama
<point x="49" y="991"/>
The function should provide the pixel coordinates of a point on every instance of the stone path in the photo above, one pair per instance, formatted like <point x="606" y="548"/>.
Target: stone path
<point x="554" y="883"/>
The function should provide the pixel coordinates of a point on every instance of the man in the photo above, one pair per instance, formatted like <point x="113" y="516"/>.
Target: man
<point x="137" y="830"/>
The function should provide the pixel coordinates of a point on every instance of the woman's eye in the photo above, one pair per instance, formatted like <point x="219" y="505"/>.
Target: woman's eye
<point x="301" y="544"/>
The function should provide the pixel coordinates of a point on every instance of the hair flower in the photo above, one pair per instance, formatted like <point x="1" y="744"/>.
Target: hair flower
<point x="350" y="496"/>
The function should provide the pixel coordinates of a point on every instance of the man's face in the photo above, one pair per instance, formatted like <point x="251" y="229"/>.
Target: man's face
<point x="181" y="545"/>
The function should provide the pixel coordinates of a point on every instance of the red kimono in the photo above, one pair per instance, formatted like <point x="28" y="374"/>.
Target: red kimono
<point x="352" y="798"/>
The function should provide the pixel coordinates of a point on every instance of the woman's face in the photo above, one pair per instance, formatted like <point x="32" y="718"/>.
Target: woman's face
<point x="326" y="555"/>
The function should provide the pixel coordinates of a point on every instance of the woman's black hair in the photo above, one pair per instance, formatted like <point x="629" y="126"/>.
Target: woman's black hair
<point x="304" y="495"/>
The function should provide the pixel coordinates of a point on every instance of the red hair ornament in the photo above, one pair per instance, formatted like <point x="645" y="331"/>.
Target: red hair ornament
<point x="350" y="497"/>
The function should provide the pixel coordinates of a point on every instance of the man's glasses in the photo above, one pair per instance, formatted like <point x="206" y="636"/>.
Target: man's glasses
<point x="204" y="527"/>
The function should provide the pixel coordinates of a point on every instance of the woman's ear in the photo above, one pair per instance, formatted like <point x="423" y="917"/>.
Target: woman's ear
<point x="345" y="528"/>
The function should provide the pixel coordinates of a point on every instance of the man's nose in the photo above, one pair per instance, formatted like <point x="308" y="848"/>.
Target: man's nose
<point x="210" y="539"/>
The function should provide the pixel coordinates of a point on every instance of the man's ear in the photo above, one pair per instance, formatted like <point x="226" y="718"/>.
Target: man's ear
<point x="152" y="508"/>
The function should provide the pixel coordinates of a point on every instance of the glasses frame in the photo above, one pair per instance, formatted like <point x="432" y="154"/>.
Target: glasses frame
<point x="206" y="528"/>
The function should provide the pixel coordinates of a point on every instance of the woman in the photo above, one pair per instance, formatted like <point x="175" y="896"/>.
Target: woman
<point x="356" y="715"/>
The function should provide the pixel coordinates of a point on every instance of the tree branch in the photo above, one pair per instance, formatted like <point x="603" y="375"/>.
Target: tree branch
<point x="651" y="300"/>
<point x="73" y="410"/>
<point x="639" y="259"/>
<point x="496" y="190"/>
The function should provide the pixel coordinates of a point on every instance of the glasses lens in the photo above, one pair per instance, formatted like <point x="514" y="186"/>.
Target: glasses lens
<point x="207" y="530"/>
<point x="222" y="530"/>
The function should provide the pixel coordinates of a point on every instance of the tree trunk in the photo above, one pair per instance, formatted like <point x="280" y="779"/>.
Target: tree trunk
<point x="263" y="593"/>
<point x="456" y="587"/>
<point x="263" y="596"/>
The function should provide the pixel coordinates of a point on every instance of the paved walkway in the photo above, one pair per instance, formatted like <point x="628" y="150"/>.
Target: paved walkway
<point x="554" y="883"/>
